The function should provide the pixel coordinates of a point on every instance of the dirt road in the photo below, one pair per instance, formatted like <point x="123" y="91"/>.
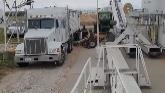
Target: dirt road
<point x="47" y="78"/>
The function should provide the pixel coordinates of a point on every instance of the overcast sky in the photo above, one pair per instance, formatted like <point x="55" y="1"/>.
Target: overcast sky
<point x="75" y="4"/>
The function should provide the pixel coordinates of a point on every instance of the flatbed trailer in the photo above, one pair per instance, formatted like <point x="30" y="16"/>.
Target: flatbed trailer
<point x="148" y="48"/>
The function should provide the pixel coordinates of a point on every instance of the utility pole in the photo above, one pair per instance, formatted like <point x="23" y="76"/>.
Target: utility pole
<point x="98" y="43"/>
<point x="16" y="13"/>
<point x="4" y="18"/>
<point x="16" y="7"/>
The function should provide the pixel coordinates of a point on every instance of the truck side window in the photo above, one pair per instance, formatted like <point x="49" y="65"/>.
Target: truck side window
<point x="57" y="23"/>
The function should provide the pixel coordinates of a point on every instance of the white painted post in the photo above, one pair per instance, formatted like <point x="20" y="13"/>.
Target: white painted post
<point x="90" y="66"/>
<point x="139" y="65"/>
<point x="98" y="23"/>
<point x="4" y="18"/>
<point x="16" y="9"/>
<point x="85" y="79"/>
<point x="103" y="59"/>
<point x="136" y="58"/>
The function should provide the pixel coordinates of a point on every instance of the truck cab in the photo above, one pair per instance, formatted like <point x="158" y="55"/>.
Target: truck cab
<point x="48" y="38"/>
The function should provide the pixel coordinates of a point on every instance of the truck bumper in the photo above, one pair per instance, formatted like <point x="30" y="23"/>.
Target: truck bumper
<point x="38" y="58"/>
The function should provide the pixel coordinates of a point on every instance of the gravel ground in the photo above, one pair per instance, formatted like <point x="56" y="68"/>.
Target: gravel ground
<point x="47" y="78"/>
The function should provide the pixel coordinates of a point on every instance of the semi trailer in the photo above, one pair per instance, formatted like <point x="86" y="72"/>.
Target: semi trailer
<point x="16" y="23"/>
<point x="49" y="35"/>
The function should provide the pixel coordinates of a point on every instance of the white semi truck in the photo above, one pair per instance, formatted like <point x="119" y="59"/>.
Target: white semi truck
<point x="49" y="35"/>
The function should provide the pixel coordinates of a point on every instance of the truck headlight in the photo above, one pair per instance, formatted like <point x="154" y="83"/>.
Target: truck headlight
<point x="18" y="51"/>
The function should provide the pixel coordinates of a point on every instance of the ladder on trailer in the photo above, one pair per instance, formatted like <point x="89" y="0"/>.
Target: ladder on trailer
<point x="118" y="14"/>
<point x="123" y="33"/>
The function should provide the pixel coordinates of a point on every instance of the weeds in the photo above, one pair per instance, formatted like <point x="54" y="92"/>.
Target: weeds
<point x="7" y="59"/>
<point x="6" y="63"/>
<point x="1" y="36"/>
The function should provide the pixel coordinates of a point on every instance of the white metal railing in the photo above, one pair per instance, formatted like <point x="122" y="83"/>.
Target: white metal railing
<point x="142" y="71"/>
<point x="102" y="56"/>
<point x="148" y="82"/>
<point x="103" y="47"/>
<point x="82" y="85"/>
<point x="117" y="81"/>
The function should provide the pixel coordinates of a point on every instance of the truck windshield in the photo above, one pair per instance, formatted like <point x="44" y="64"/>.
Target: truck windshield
<point x="41" y="23"/>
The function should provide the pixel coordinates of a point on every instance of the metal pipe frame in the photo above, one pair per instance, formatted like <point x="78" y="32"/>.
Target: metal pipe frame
<point x="86" y="78"/>
<point x="139" y="59"/>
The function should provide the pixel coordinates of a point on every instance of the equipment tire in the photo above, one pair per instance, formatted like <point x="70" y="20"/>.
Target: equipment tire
<point x="92" y="44"/>
<point x="62" y="60"/>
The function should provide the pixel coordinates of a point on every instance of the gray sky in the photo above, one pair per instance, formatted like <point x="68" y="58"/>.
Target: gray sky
<point x="75" y="4"/>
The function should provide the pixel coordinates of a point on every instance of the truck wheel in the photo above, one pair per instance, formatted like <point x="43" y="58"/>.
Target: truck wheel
<point x="22" y="64"/>
<point x="69" y="50"/>
<point x="62" y="60"/>
<point x="71" y="45"/>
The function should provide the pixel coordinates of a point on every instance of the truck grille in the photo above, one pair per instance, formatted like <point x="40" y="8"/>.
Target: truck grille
<point x="35" y="46"/>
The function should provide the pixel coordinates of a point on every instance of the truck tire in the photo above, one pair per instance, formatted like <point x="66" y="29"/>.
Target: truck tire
<point x="71" y="45"/>
<point x="22" y="64"/>
<point x="62" y="60"/>
<point x="69" y="50"/>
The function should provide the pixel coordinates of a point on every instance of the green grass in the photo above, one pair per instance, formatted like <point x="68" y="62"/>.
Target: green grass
<point x="7" y="59"/>
<point x="1" y="36"/>
<point x="7" y="64"/>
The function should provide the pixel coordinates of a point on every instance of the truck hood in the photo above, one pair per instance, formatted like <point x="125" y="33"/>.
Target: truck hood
<point x="38" y="33"/>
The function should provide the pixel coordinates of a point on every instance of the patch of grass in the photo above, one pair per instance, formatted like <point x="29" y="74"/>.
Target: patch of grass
<point x="7" y="64"/>
<point x="7" y="59"/>
<point x="1" y="36"/>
